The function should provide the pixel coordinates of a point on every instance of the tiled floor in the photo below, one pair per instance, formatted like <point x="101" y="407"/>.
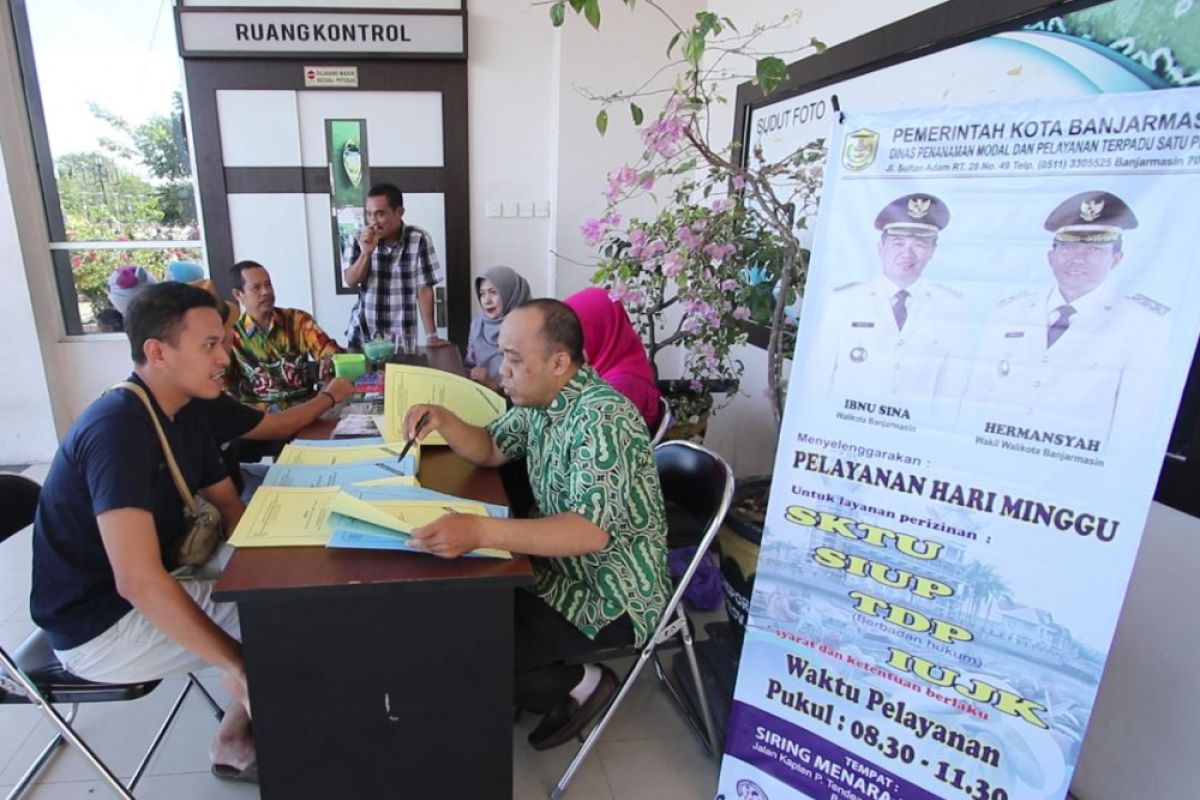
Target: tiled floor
<point x="647" y="753"/>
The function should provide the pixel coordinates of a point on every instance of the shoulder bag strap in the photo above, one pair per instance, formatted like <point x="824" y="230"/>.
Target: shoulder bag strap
<point x="176" y="475"/>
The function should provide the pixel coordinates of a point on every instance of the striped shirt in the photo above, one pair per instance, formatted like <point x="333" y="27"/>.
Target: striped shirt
<point x="387" y="299"/>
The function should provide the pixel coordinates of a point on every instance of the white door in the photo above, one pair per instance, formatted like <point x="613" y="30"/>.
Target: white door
<point x="291" y="232"/>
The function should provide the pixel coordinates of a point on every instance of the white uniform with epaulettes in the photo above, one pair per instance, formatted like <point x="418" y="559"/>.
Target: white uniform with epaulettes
<point x="873" y="360"/>
<point x="1107" y="365"/>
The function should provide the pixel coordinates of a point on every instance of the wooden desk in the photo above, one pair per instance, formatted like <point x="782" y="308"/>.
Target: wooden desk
<point x="381" y="674"/>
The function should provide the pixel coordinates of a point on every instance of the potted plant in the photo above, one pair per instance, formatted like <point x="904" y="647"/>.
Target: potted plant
<point x="728" y="242"/>
<point x="679" y="275"/>
<point x="724" y="218"/>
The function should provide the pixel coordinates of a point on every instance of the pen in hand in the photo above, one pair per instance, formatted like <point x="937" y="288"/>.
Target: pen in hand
<point x="413" y="439"/>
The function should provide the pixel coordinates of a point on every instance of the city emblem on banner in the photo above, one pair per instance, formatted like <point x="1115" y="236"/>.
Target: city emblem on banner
<point x="861" y="148"/>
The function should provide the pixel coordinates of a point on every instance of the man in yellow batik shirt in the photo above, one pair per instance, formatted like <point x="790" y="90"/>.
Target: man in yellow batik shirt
<point x="272" y="346"/>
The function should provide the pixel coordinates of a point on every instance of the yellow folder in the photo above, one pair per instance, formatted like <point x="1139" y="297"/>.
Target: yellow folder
<point x="406" y="386"/>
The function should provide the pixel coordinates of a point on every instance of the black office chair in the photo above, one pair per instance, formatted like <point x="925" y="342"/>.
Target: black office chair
<point x="33" y="674"/>
<point x="698" y="485"/>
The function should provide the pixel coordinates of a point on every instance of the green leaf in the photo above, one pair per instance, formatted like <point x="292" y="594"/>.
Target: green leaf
<point x="591" y="10"/>
<point x="769" y="72"/>
<point x="577" y="5"/>
<point x="557" y="14"/>
<point x="671" y="44"/>
<point x="693" y="49"/>
<point x="602" y="121"/>
<point x="818" y="45"/>
<point x="686" y="166"/>
<point x="638" y="114"/>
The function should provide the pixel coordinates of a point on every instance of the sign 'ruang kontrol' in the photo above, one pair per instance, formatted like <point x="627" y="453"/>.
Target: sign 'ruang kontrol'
<point x="211" y="31"/>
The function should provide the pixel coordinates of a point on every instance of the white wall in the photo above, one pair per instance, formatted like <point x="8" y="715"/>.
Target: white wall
<point x="26" y="420"/>
<point x="27" y="428"/>
<point x="623" y="54"/>
<point x="1144" y="733"/>
<point x="512" y="107"/>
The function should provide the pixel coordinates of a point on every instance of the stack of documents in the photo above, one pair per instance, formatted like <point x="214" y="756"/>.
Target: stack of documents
<point x="347" y="494"/>
<point x="407" y="386"/>
<point x="356" y="517"/>
<point x="347" y="451"/>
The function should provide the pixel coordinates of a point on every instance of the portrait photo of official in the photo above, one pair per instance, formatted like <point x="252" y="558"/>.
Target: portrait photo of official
<point x="892" y="344"/>
<point x="1073" y="356"/>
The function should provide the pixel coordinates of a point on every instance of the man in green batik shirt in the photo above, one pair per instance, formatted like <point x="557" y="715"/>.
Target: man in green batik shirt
<point x="599" y="544"/>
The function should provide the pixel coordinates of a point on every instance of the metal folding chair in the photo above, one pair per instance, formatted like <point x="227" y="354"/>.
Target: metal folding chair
<point x="699" y="482"/>
<point x="664" y="423"/>
<point x="33" y="675"/>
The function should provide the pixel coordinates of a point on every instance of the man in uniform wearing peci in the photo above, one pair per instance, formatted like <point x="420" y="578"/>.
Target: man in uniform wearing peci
<point x="1076" y="357"/>
<point x="893" y="340"/>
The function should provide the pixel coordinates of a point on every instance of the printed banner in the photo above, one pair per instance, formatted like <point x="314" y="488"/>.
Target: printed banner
<point x="998" y="322"/>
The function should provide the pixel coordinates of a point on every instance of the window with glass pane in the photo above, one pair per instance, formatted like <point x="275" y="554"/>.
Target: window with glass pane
<point x="103" y="85"/>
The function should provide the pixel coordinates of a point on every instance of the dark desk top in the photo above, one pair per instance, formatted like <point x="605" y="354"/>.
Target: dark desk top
<point x="255" y="571"/>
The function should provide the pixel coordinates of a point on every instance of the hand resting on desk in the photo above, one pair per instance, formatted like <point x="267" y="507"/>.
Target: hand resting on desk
<point x="452" y="535"/>
<point x="449" y="536"/>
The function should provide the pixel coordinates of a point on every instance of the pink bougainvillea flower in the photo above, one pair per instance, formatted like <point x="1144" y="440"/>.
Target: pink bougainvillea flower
<point x="741" y="312"/>
<point x="655" y="248"/>
<point x="687" y="238"/>
<point x="672" y="264"/>
<point x="637" y="243"/>
<point x="593" y="231"/>
<point x="719" y="252"/>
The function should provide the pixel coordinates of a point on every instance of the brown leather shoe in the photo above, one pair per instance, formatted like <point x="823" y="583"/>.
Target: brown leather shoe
<point x="568" y="719"/>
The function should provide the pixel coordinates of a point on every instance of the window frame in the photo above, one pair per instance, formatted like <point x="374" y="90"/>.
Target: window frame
<point x="60" y="248"/>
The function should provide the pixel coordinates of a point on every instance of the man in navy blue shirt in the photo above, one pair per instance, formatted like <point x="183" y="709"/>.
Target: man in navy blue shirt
<point x="109" y="514"/>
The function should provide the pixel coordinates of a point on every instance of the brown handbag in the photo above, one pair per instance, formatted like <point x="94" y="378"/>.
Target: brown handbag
<point x="203" y="521"/>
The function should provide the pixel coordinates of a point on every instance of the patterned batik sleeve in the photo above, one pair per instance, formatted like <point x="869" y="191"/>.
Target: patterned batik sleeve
<point x="431" y="270"/>
<point x="316" y="341"/>
<point x="510" y="432"/>
<point x="613" y="482"/>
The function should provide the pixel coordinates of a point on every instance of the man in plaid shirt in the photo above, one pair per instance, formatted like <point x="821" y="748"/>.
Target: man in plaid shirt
<point x="394" y="268"/>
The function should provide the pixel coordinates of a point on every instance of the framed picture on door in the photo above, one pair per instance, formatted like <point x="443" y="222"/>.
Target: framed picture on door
<point x="346" y="154"/>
